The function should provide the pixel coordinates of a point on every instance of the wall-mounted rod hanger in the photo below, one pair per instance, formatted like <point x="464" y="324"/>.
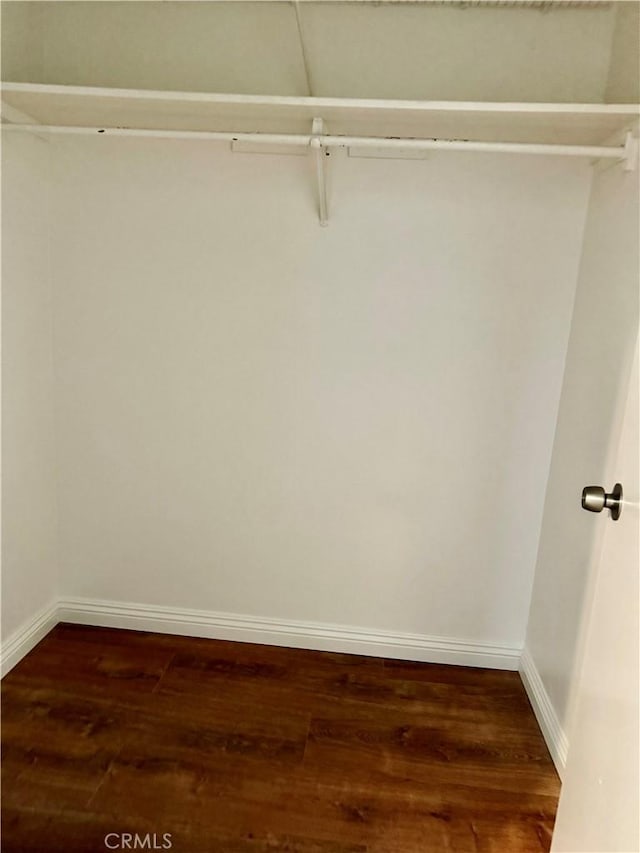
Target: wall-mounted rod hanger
<point x="318" y="141"/>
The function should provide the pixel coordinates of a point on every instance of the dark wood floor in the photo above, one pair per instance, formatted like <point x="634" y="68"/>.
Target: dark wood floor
<point x="247" y="749"/>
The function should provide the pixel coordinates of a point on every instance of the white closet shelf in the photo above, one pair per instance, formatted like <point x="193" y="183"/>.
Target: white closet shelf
<point x="553" y="124"/>
<point x="584" y="130"/>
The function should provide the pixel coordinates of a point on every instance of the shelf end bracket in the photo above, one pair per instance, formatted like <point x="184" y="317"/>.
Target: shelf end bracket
<point x="630" y="152"/>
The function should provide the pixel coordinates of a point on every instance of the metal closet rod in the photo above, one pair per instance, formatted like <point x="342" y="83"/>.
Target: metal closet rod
<point x="623" y="152"/>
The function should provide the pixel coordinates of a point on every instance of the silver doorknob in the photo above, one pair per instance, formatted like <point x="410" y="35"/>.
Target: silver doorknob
<point x="595" y="499"/>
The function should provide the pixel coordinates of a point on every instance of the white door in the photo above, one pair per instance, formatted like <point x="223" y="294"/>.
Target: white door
<point x="599" y="803"/>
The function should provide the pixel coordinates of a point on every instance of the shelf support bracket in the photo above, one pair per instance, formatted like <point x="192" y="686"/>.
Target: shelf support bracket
<point x="12" y="115"/>
<point x="630" y="152"/>
<point x="320" y="153"/>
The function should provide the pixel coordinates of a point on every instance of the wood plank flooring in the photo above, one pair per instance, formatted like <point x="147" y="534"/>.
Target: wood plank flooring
<point x="242" y="748"/>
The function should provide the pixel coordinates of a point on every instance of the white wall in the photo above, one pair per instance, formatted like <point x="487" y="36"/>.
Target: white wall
<point x="351" y="424"/>
<point x="367" y="50"/>
<point x="623" y="81"/>
<point x="22" y="34"/>
<point x="29" y="575"/>
<point x="603" y="333"/>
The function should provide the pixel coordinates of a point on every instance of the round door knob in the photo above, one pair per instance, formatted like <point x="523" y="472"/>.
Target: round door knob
<point x="595" y="499"/>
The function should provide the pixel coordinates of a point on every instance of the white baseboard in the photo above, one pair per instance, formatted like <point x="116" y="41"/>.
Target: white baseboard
<point x="554" y="734"/>
<point x="305" y="635"/>
<point x="278" y="632"/>
<point x="26" y="637"/>
<point x="252" y="629"/>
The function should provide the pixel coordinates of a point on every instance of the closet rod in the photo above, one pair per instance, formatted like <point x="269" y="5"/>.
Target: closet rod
<point x="623" y="152"/>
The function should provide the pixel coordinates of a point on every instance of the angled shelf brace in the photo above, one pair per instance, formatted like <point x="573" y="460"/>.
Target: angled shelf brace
<point x="320" y="153"/>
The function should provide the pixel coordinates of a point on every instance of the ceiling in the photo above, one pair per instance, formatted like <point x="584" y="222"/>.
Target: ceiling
<point x="418" y="50"/>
